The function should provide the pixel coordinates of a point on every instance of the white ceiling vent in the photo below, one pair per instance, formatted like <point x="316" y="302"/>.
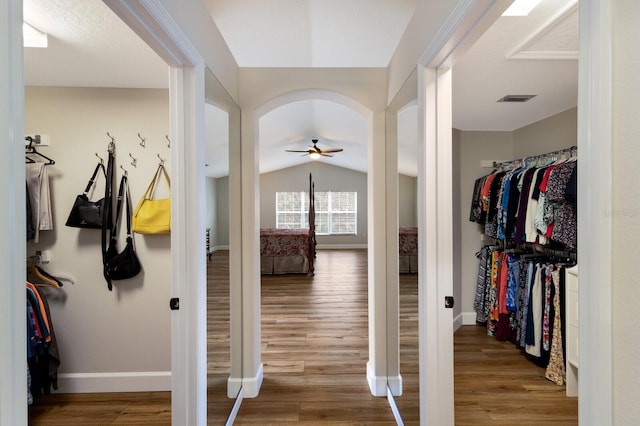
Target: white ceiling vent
<point x="515" y="98"/>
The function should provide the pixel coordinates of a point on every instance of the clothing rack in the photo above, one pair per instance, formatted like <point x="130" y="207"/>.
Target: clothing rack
<point x="529" y="160"/>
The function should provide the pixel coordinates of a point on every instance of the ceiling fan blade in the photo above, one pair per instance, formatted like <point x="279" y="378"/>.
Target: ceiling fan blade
<point x="293" y="150"/>
<point x="333" y="150"/>
<point x="325" y="155"/>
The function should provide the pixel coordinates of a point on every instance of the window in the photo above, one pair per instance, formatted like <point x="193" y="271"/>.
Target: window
<point x="336" y="212"/>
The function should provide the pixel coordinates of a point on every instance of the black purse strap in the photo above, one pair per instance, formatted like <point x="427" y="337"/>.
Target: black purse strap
<point x="107" y="217"/>
<point x="123" y="195"/>
<point x="93" y="177"/>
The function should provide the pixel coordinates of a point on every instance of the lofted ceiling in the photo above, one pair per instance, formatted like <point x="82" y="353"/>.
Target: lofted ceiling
<point x="90" y="47"/>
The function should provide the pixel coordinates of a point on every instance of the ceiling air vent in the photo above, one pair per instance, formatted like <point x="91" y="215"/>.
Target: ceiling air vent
<point x="516" y="98"/>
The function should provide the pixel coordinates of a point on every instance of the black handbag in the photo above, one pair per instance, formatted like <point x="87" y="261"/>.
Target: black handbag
<point x="86" y="213"/>
<point x="123" y="265"/>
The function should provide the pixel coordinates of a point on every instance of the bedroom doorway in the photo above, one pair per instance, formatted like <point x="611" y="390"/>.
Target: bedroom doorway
<point x="333" y="317"/>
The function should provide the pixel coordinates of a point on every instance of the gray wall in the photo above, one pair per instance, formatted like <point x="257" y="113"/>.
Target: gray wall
<point x="128" y="329"/>
<point x="553" y="133"/>
<point x="211" y="209"/>
<point x="472" y="148"/>
<point x="407" y="196"/>
<point x="221" y="237"/>
<point x="326" y="178"/>
<point x="550" y="134"/>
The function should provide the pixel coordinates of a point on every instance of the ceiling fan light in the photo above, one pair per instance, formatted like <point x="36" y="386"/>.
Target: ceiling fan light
<point x="314" y="155"/>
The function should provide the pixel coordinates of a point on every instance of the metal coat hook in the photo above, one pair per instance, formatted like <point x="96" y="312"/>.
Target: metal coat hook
<point x="100" y="158"/>
<point x="168" y="140"/>
<point x="112" y="144"/>
<point x="161" y="160"/>
<point x="124" y="170"/>
<point x="143" y="141"/>
<point x="134" y="160"/>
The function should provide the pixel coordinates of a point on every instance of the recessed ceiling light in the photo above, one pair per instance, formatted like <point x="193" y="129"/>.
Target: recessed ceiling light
<point x="521" y="7"/>
<point x="515" y="98"/>
<point x="32" y="37"/>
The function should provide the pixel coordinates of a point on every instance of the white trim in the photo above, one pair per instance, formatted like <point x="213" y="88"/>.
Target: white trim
<point x="138" y="381"/>
<point x="251" y="385"/>
<point x="569" y="55"/>
<point x="377" y="384"/>
<point x="595" y="83"/>
<point x="394" y="384"/>
<point x="234" y="387"/>
<point x="153" y="24"/>
<point x="521" y="52"/>
<point x="188" y="270"/>
<point x="394" y="408"/>
<point x="13" y="353"/>
<point x="466" y="23"/>
<point x="234" y="410"/>
<point x="468" y="318"/>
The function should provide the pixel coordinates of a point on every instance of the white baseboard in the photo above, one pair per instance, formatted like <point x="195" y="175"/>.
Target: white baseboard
<point x="469" y="318"/>
<point x="137" y="381"/>
<point x="377" y="384"/>
<point x="234" y="386"/>
<point x="395" y="385"/>
<point x="251" y="386"/>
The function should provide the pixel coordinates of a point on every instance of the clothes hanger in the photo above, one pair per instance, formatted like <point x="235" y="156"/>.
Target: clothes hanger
<point x="32" y="150"/>
<point x="36" y="276"/>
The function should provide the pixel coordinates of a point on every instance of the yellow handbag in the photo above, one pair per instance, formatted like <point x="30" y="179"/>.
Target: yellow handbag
<point x="153" y="216"/>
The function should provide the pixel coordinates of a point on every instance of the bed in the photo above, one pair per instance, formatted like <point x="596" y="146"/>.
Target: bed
<point x="408" y="250"/>
<point x="290" y="251"/>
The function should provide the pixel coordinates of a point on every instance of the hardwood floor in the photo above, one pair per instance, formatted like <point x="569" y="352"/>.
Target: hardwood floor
<point x="315" y="349"/>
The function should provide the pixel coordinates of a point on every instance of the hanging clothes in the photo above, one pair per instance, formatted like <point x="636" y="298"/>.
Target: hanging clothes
<point x="43" y="358"/>
<point x="39" y="195"/>
<point x="533" y="204"/>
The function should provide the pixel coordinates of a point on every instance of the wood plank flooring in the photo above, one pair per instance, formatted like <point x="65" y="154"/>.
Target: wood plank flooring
<point x="315" y="350"/>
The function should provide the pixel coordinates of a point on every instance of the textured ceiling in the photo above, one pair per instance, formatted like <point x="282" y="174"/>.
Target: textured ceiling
<point x="89" y="46"/>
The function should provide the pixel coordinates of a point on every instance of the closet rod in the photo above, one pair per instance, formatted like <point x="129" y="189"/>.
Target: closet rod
<point x="526" y="160"/>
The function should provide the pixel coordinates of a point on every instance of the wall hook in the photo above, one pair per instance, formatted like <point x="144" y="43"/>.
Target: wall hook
<point x="124" y="170"/>
<point x="134" y="161"/>
<point x="143" y="141"/>
<point x="112" y="145"/>
<point x="161" y="160"/>
<point x="168" y="140"/>
<point x="100" y="158"/>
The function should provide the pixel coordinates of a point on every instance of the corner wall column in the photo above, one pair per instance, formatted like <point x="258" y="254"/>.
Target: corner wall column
<point x="435" y="234"/>
<point x="13" y="348"/>
<point x="188" y="276"/>
<point x="377" y="258"/>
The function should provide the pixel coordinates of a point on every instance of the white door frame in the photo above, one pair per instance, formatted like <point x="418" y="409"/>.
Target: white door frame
<point x="594" y="229"/>
<point x="154" y="24"/>
<point x="13" y="350"/>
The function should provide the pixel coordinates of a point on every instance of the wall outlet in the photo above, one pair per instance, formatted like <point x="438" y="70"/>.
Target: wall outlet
<point x="39" y="140"/>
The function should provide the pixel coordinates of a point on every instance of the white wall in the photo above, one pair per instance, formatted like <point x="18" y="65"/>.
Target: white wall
<point x="127" y="330"/>
<point x="626" y="212"/>
<point x="326" y="178"/>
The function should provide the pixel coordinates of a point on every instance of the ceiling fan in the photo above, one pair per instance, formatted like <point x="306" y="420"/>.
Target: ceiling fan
<point x="314" y="152"/>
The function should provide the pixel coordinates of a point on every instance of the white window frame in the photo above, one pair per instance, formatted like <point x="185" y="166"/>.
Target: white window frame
<point x="304" y="212"/>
